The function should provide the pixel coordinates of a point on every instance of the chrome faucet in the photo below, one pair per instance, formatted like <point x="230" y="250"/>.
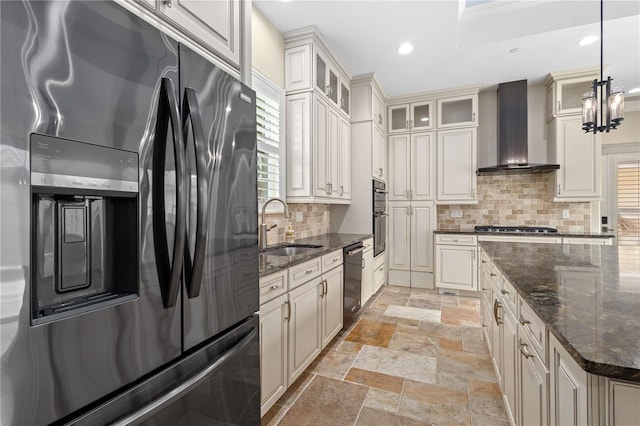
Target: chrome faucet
<point x="262" y="240"/>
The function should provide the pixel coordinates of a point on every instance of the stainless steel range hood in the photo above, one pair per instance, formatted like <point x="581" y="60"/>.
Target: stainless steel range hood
<point x="513" y="147"/>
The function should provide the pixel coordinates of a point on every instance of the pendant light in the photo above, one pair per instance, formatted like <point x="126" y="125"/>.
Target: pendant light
<point x="603" y="107"/>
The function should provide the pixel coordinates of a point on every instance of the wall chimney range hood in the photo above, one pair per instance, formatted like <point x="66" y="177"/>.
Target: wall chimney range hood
<point x="513" y="147"/>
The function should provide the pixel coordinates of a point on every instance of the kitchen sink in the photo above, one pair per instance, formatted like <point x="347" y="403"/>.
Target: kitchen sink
<point x="289" y="249"/>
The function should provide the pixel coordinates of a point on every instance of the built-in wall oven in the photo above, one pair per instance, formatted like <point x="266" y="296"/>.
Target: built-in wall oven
<point x="379" y="217"/>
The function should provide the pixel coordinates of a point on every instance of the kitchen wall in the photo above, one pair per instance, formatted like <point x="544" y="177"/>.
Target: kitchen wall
<point x="267" y="48"/>
<point x="307" y="220"/>
<point x="517" y="200"/>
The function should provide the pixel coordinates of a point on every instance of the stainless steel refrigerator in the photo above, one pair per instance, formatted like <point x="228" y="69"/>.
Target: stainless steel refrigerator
<point x="129" y="257"/>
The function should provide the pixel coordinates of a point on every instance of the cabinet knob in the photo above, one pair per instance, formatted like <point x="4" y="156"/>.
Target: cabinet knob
<point x="274" y="287"/>
<point x="168" y="3"/>
<point x="523" y="345"/>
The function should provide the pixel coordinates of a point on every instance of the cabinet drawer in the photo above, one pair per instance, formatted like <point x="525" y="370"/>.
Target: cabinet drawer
<point x="592" y="241"/>
<point x="467" y="240"/>
<point x="484" y="259"/>
<point x="331" y="260"/>
<point x="379" y="260"/>
<point x="535" y="330"/>
<point x="509" y="296"/>
<point x="272" y="286"/>
<point x="304" y="272"/>
<point x="368" y="244"/>
<point x="495" y="278"/>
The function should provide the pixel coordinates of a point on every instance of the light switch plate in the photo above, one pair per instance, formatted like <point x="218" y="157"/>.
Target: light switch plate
<point x="456" y="213"/>
<point x="298" y="216"/>
<point x="565" y="214"/>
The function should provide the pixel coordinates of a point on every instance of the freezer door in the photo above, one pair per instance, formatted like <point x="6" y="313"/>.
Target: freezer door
<point x="228" y="291"/>
<point x="218" y="384"/>
<point x="89" y="72"/>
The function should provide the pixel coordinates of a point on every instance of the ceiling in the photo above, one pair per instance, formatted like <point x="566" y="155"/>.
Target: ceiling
<point x="458" y="43"/>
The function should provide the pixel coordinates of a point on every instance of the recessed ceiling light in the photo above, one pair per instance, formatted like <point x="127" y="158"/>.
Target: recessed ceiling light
<point x="405" y="48"/>
<point x="588" y="40"/>
<point x="635" y="90"/>
<point x="514" y="50"/>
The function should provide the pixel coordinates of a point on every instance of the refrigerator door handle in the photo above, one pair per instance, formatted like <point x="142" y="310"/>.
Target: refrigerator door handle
<point x="169" y="273"/>
<point x="193" y="270"/>
<point x="178" y="391"/>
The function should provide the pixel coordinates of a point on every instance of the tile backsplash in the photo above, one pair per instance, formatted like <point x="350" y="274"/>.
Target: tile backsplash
<point x="315" y="220"/>
<point x="516" y="200"/>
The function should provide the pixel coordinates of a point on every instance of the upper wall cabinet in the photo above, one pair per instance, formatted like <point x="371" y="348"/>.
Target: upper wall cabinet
<point x="318" y="131"/>
<point x="411" y="117"/>
<point x="309" y="66"/>
<point x="566" y="89"/>
<point x="458" y="111"/>
<point x="214" y="25"/>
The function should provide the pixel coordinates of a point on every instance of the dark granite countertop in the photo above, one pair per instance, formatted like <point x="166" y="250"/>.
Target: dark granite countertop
<point x="588" y="295"/>
<point x="329" y="242"/>
<point x="525" y="234"/>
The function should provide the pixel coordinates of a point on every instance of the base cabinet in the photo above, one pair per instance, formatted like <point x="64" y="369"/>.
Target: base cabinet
<point x="274" y="330"/>
<point x="332" y="304"/>
<point x="510" y="363"/>
<point x="304" y="326"/>
<point x="533" y="385"/>
<point x="367" y="276"/>
<point x="456" y="264"/>
<point x="568" y="395"/>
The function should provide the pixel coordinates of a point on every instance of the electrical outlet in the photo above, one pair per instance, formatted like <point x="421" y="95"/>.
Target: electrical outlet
<point x="299" y="216"/>
<point x="565" y="214"/>
<point x="456" y="214"/>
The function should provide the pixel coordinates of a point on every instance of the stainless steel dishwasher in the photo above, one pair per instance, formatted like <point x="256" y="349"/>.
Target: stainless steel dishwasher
<point x="352" y="281"/>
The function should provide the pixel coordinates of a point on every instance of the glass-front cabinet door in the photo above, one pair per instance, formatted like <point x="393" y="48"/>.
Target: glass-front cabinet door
<point x="421" y="116"/>
<point x="398" y="118"/>
<point x="332" y="92"/>
<point x="344" y="98"/>
<point x="458" y="111"/>
<point x="569" y="95"/>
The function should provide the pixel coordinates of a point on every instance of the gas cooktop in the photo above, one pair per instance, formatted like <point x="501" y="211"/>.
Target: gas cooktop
<point x="516" y="229"/>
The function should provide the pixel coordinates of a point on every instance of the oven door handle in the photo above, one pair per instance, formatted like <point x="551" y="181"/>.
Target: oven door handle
<point x="379" y="191"/>
<point x="380" y="214"/>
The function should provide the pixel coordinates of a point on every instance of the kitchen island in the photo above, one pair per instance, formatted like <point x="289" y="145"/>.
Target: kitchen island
<point x="563" y="332"/>
<point x="588" y="296"/>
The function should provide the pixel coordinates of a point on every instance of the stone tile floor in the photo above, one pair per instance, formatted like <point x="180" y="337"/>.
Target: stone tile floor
<point x="414" y="357"/>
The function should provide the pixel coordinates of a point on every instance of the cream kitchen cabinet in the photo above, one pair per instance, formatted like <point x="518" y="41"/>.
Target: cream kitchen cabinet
<point x="412" y="117"/>
<point x="568" y="387"/>
<point x="380" y="271"/>
<point x="379" y="168"/>
<point x="215" y="24"/>
<point x="318" y="151"/>
<point x="456" y="262"/>
<point x="305" y="326"/>
<point x="565" y="91"/>
<point x="367" y="288"/>
<point x="274" y="330"/>
<point x="310" y="65"/>
<point x="579" y="156"/>
<point x="411" y="165"/>
<point x="331" y="304"/>
<point x="368" y="122"/>
<point x="458" y="111"/>
<point x="411" y="227"/>
<point x="533" y="389"/>
<point x="456" y="154"/>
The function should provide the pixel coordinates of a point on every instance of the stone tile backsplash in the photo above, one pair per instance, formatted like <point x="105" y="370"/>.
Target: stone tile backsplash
<point x="315" y="220"/>
<point x="516" y="200"/>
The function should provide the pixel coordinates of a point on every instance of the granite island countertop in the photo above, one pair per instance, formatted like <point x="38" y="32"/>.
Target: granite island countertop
<point x="526" y="234"/>
<point x="587" y="295"/>
<point x="269" y="264"/>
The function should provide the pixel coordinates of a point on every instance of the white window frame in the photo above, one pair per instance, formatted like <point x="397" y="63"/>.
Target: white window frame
<point x="261" y="83"/>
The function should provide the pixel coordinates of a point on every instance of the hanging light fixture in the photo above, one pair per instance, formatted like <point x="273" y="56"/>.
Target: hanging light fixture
<point x="603" y="107"/>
